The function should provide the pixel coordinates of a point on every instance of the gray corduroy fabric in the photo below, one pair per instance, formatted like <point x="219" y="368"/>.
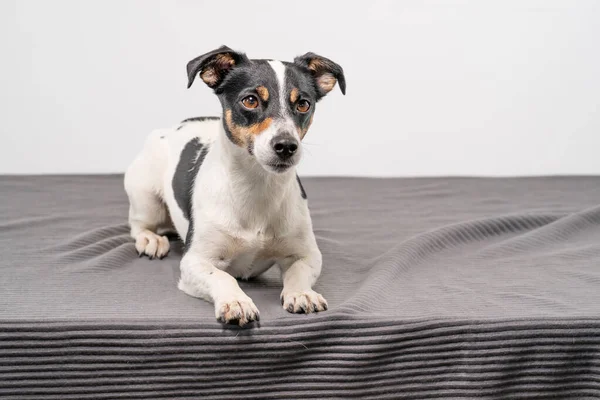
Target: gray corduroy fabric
<point x="438" y="288"/>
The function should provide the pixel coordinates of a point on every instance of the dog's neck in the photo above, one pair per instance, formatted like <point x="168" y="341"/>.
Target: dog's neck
<point x="252" y="188"/>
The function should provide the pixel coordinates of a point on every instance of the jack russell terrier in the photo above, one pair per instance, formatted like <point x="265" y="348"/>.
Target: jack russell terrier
<point x="228" y="185"/>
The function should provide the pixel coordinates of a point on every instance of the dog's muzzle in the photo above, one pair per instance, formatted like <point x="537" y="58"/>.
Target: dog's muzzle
<point x="284" y="145"/>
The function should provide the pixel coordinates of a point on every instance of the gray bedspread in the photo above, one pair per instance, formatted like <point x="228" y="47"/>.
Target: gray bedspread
<point x="438" y="288"/>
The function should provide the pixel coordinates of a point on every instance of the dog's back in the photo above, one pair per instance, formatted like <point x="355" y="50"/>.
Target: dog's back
<point x="172" y="141"/>
<point x="155" y="167"/>
<point x="161" y="153"/>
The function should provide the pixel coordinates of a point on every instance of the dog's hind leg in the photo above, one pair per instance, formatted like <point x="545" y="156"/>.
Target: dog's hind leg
<point x="146" y="219"/>
<point x="148" y="214"/>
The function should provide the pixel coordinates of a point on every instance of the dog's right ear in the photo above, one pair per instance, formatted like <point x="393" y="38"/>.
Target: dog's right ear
<point x="214" y="66"/>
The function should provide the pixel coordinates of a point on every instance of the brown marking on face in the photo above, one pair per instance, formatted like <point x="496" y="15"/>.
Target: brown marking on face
<point x="302" y="132"/>
<point x="263" y="93"/>
<point x="326" y="82"/>
<point x="236" y="135"/>
<point x="212" y="72"/>
<point x="258" y="128"/>
<point x="243" y="136"/>
<point x="294" y="95"/>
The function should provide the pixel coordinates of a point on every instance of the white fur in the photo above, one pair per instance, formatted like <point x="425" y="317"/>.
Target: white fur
<point x="262" y="145"/>
<point x="279" y="69"/>
<point x="246" y="219"/>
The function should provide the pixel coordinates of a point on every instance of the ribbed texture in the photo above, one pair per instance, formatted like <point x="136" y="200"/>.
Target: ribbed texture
<point x="342" y="357"/>
<point x="438" y="288"/>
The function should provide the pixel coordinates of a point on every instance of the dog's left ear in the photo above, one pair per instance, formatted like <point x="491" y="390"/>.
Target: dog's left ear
<point x="214" y="66"/>
<point x="325" y="72"/>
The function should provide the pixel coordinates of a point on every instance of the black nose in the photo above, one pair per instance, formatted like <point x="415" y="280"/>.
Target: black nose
<point x="285" y="147"/>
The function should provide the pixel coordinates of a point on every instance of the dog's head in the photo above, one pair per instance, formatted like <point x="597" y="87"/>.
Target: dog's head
<point x="268" y="106"/>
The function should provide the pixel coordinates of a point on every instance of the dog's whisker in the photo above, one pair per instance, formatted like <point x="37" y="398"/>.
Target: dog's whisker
<point x="307" y="150"/>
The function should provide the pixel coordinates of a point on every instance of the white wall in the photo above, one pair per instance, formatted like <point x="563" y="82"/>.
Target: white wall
<point x="434" y="87"/>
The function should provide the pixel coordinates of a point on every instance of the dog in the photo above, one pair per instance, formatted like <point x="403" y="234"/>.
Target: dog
<point x="228" y="185"/>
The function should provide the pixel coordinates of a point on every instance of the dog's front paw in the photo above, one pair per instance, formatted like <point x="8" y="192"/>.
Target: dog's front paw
<point x="238" y="311"/>
<point x="150" y="244"/>
<point x="306" y="301"/>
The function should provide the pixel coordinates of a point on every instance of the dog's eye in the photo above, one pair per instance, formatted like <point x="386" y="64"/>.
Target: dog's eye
<point x="303" y="106"/>
<point x="250" y="102"/>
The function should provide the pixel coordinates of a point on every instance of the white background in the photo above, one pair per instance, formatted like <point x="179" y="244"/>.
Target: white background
<point x="434" y="87"/>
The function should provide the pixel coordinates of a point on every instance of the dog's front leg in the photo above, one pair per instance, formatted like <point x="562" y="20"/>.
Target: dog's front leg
<point x="200" y="278"/>
<point x="298" y="278"/>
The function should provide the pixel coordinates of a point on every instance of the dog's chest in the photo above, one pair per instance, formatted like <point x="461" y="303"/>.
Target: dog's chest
<point x="249" y="255"/>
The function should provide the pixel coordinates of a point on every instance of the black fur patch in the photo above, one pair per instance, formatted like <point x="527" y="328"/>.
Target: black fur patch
<point x="302" y="192"/>
<point x="190" y="160"/>
<point x="200" y="119"/>
<point x="197" y="119"/>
